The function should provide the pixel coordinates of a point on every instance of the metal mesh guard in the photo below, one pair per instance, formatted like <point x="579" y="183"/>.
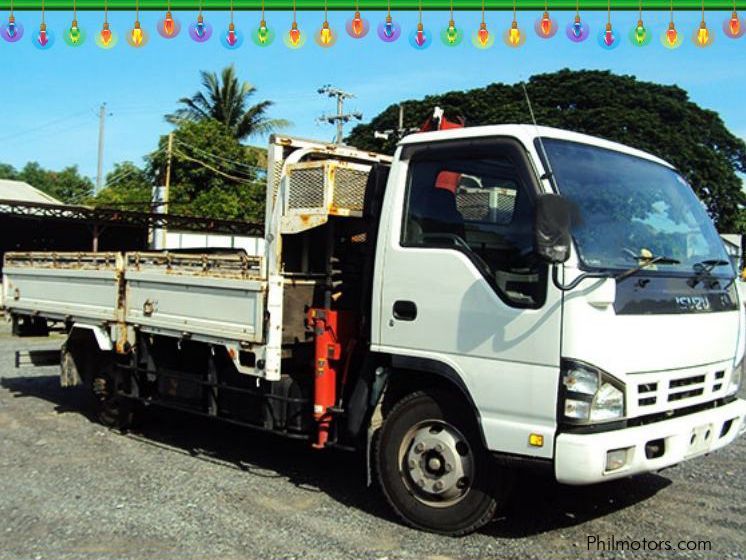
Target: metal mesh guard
<point x="306" y="188"/>
<point x="349" y="189"/>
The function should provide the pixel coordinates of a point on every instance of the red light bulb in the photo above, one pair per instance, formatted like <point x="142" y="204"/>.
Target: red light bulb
<point x="672" y="35"/>
<point x="106" y="35"/>
<point x="483" y="35"/>
<point x="420" y="36"/>
<point x="231" y="38"/>
<point x="294" y="34"/>
<point x="734" y="25"/>
<point x="43" y="38"/>
<point x="357" y="24"/>
<point x="169" y="26"/>
<point x="608" y="35"/>
<point x="546" y="24"/>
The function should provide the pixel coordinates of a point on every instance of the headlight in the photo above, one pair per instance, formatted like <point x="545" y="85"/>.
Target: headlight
<point x="736" y="377"/>
<point x="590" y="394"/>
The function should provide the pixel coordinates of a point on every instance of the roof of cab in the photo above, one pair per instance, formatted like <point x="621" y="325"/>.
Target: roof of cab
<point x="527" y="133"/>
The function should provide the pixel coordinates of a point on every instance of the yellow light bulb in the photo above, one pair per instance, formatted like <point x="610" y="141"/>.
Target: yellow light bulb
<point x="136" y="34"/>
<point x="514" y="35"/>
<point x="703" y="34"/>
<point x="326" y="34"/>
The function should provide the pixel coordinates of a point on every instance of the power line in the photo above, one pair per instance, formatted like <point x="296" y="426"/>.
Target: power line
<point x="216" y="157"/>
<point x="211" y="168"/>
<point x="43" y="126"/>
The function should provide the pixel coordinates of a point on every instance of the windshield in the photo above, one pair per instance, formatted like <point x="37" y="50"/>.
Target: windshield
<point x="630" y="209"/>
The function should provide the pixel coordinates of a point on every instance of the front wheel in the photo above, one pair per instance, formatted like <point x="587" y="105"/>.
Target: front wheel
<point x="433" y="468"/>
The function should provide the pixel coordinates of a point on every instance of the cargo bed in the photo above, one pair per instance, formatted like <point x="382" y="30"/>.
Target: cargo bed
<point x="200" y="296"/>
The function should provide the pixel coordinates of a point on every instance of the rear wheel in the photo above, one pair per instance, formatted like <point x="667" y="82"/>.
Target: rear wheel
<point x="112" y="410"/>
<point x="433" y="468"/>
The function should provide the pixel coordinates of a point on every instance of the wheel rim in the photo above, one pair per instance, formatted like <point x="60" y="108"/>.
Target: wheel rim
<point x="436" y="463"/>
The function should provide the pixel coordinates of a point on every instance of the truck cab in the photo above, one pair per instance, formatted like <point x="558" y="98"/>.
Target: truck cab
<point x="617" y="354"/>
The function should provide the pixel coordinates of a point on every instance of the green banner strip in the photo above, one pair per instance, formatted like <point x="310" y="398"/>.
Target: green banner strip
<point x="369" y="5"/>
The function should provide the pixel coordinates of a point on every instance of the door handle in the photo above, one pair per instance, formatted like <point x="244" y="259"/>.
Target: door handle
<point x="405" y="310"/>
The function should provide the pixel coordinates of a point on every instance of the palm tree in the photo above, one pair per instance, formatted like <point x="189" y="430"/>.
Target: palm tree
<point x="225" y="99"/>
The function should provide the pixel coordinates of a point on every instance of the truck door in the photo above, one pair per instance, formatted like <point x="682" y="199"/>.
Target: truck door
<point x="459" y="285"/>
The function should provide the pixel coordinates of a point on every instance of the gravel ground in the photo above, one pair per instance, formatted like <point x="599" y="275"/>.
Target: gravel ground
<point x="191" y="488"/>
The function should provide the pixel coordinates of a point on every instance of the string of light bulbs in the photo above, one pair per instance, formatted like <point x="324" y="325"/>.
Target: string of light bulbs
<point x="389" y="31"/>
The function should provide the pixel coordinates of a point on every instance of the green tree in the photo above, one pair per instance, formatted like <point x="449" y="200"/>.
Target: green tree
<point x="212" y="174"/>
<point x="128" y="187"/>
<point x="7" y="171"/>
<point x="652" y="117"/>
<point x="67" y="185"/>
<point x="225" y="99"/>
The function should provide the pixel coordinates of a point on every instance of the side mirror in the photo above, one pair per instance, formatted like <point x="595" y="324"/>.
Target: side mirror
<point x="552" y="223"/>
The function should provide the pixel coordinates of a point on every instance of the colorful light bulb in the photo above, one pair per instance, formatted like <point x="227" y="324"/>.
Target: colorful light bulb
<point x="702" y="37"/>
<point x="641" y="34"/>
<point x="325" y="35"/>
<point x="294" y="35"/>
<point x="200" y="31"/>
<point x="231" y="37"/>
<point x="514" y="34"/>
<point x="419" y="37"/>
<point x="577" y="27"/>
<point x="672" y="36"/>
<point x="11" y="29"/>
<point x="483" y="36"/>
<point x="357" y="25"/>
<point x="388" y="27"/>
<point x="74" y="36"/>
<point x="105" y="35"/>
<point x="388" y="30"/>
<point x="735" y="25"/>
<point x="546" y="25"/>
<point x="262" y="34"/>
<point x="42" y="37"/>
<point x="169" y="25"/>
<point x="136" y="35"/>
<point x="451" y="33"/>
<point x="609" y="36"/>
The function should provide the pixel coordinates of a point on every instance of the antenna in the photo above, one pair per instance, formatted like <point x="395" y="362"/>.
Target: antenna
<point x="549" y="175"/>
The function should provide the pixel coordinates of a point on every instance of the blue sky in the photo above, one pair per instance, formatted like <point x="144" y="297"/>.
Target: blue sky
<point x="50" y="98"/>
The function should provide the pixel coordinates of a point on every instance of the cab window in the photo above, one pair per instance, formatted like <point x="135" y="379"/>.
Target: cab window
<point x="479" y="203"/>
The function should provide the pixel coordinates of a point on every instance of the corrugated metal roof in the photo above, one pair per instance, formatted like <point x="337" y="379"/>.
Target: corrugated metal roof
<point x="23" y="192"/>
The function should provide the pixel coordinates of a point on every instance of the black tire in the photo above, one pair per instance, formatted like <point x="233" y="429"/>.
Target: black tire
<point x="472" y="501"/>
<point x="111" y="410"/>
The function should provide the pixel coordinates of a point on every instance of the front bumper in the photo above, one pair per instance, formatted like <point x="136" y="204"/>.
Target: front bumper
<point x="581" y="458"/>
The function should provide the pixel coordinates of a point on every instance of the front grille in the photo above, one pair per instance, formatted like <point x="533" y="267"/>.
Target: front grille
<point x="662" y="391"/>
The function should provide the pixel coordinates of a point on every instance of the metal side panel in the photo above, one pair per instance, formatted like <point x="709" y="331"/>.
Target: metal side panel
<point x="57" y="292"/>
<point x="204" y="306"/>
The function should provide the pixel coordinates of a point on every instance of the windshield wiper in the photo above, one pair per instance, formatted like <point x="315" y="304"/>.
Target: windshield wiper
<point x="703" y="269"/>
<point x="646" y="262"/>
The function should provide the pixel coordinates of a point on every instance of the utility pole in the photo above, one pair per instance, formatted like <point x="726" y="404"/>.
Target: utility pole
<point x="341" y="118"/>
<point x="100" y="168"/>
<point x="399" y="132"/>
<point x="167" y="182"/>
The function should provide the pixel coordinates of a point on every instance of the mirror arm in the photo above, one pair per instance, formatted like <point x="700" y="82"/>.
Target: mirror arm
<point x="572" y="285"/>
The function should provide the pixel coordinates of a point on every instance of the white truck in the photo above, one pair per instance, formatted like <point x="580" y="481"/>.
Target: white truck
<point x="489" y="298"/>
